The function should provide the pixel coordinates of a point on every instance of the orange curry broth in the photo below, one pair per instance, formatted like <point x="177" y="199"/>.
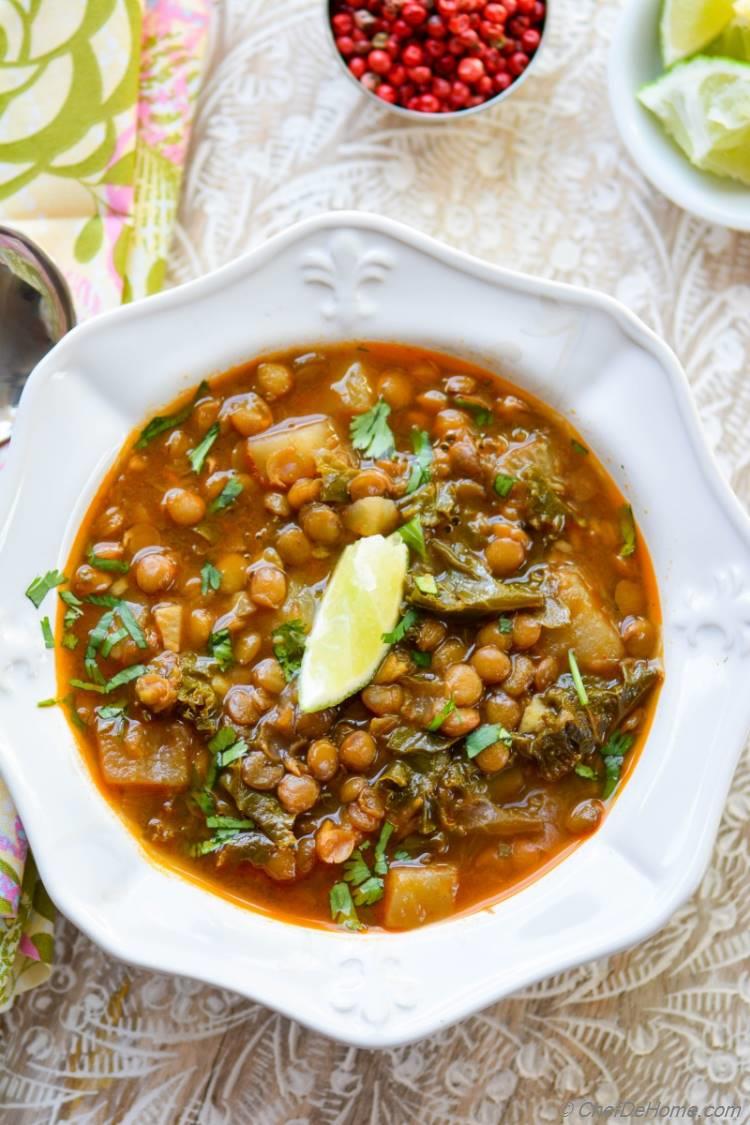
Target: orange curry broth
<point x="305" y="901"/>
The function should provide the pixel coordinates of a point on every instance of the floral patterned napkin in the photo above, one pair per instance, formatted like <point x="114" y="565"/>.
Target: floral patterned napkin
<point x="96" y="104"/>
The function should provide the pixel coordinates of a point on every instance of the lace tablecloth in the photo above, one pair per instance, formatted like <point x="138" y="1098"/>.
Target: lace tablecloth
<point x="541" y="184"/>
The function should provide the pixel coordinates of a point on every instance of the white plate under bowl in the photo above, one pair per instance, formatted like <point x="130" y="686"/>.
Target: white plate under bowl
<point x="634" y="60"/>
<point x="346" y="276"/>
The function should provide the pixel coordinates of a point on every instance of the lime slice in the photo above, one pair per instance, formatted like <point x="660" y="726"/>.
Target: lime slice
<point x="361" y="602"/>
<point x="704" y="104"/>
<point x="689" y="25"/>
<point x="734" y="41"/>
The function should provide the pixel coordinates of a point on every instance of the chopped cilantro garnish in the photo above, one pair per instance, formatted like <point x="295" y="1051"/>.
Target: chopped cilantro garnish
<point x="71" y="615"/>
<point x="162" y="423"/>
<point x="48" y="702"/>
<point x="505" y="625"/>
<point x="613" y="752"/>
<point x="227" y="746"/>
<point x="112" y="640"/>
<point x="407" y="622"/>
<point x="586" y="771"/>
<point x="487" y="735"/>
<point x="401" y="856"/>
<point x="342" y="907"/>
<point x="40" y="587"/>
<point x="115" y="566"/>
<point x="49" y="640"/>
<point x="228" y="822"/>
<point x="412" y="534"/>
<point x="229" y="493"/>
<point x="426" y="583"/>
<point x="421" y="659"/>
<point x="368" y="887"/>
<point x="111" y="711"/>
<point x="204" y="800"/>
<point x="125" y="614"/>
<point x="210" y="578"/>
<point x="84" y="685"/>
<point x="503" y="484"/>
<point x="69" y="641"/>
<point x="369" y="892"/>
<point x="578" y="683"/>
<point x="288" y="647"/>
<point x="197" y="456"/>
<point x="627" y="531"/>
<point x="356" y="870"/>
<point x="420" y="469"/>
<point x="220" y="647"/>
<point x="380" y="864"/>
<point x="481" y="414"/>
<point x="370" y="432"/>
<point x="578" y="447"/>
<point x="126" y="676"/>
<point x="442" y="715"/>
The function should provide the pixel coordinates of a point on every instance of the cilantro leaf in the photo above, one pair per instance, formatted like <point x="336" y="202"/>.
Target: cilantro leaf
<point x="505" y="625"/>
<point x="162" y="423"/>
<point x="577" y="679"/>
<point x="412" y="534"/>
<point x="420" y="470"/>
<point x="126" y="676"/>
<point x="586" y="771"/>
<point x="369" y="892"/>
<point x="627" y="531"/>
<point x="114" y="566"/>
<point x="370" y="432"/>
<point x="407" y="622"/>
<point x="342" y="907"/>
<point x="289" y="642"/>
<point x="442" y="715"/>
<point x="49" y="640"/>
<point x="229" y="493"/>
<point x="227" y="746"/>
<point x="356" y="870"/>
<point x="503" y="484"/>
<point x="578" y="447"/>
<point x="487" y="735"/>
<point x="380" y="864"/>
<point x="421" y="659"/>
<point x="197" y="456"/>
<point x="210" y="578"/>
<point x="220" y="647"/>
<point x="481" y="414"/>
<point x="40" y="587"/>
<point x="613" y="752"/>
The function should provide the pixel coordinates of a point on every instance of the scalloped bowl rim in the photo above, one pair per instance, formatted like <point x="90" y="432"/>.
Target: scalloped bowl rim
<point x="379" y="990"/>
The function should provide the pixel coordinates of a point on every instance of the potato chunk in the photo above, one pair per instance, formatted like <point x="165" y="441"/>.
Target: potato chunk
<point x="416" y="895"/>
<point x="590" y="632"/>
<point x="151" y="757"/>
<point x="306" y="436"/>
<point x="168" y="619"/>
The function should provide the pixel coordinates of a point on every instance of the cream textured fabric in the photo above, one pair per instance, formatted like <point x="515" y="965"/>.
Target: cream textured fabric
<point x="540" y="184"/>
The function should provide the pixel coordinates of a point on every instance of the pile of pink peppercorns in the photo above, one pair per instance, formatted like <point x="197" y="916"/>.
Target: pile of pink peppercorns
<point x="437" y="56"/>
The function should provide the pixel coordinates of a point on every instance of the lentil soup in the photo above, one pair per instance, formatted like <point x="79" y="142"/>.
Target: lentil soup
<point x="516" y="687"/>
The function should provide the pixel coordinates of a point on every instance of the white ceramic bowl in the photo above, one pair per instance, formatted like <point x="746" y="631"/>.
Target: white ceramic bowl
<point x="634" y="60"/>
<point x="340" y="277"/>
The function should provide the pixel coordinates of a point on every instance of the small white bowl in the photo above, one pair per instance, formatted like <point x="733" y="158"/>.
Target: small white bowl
<point x="349" y="276"/>
<point x="634" y="60"/>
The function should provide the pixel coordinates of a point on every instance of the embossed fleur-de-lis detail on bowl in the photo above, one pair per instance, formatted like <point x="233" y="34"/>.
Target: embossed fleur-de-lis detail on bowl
<point x="722" y="609"/>
<point x="371" y="989"/>
<point x="347" y="270"/>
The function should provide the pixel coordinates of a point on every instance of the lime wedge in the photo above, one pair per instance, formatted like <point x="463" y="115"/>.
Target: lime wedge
<point x="689" y="25"/>
<point x="734" y="41"/>
<point x="361" y="602"/>
<point x="704" y="104"/>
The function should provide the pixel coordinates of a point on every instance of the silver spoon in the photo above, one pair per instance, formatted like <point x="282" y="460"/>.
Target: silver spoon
<point x="36" y="311"/>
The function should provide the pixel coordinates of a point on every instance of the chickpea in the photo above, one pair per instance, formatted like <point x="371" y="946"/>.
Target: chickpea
<point x="245" y="704"/>
<point x="546" y="673"/>
<point x="199" y="626"/>
<point x="460" y="385"/>
<point x="368" y="811"/>
<point x="205" y="414"/>
<point x="383" y="699"/>
<point x="249" y="414"/>
<point x="277" y="504"/>
<point x="322" y="759"/>
<point x="88" y="580"/>
<point x="287" y="465"/>
<point x="351" y="789"/>
<point x="629" y="597"/>
<point x="334" y="843"/>
<point x="393" y="668"/>
<point x="155" y="572"/>
<point x="491" y="663"/>
<point x="526" y="630"/>
<point x="293" y="546"/>
<point x="431" y="634"/>
<point x="451" y="651"/>
<point x="298" y="794"/>
<point x="585" y="817"/>
<point x="526" y="853"/>
<point x="633" y="721"/>
<point x="259" y="772"/>
<point x="496" y="635"/>
<point x="460" y="722"/>
<point x="464" y="458"/>
<point x="450" y="422"/>
<point x="110" y="522"/>
<point x="305" y="855"/>
<point x="268" y="587"/>
<point x="317" y="724"/>
<point x="521" y="676"/>
<point x="358" y="751"/>
<point x="233" y="568"/>
<point x="500" y="708"/>
<point x="639" y="636"/>
<point x="246" y="647"/>
<point x="139" y="536"/>
<point x="304" y="491"/>
<point x="155" y="692"/>
<point x="268" y="674"/>
<point x="493" y="758"/>
<point x="504" y="556"/>
<point x="369" y="482"/>
<point x="433" y="401"/>
<point x="395" y="387"/>
<point x="321" y="523"/>
<point x="372" y="515"/>
<point x="177" y="444"/>
<point x="185" y="508"/>
<point x="464" y="685"/>
<point x="274" y="380"/>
